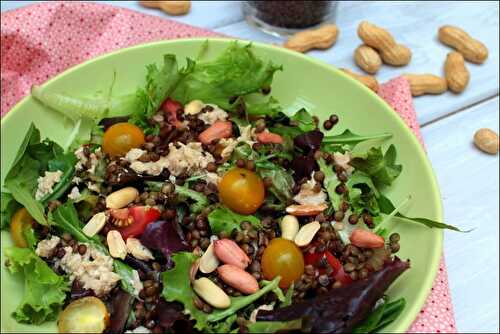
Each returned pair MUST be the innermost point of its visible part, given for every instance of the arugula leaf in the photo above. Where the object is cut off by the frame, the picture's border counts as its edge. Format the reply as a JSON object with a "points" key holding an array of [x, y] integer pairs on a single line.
{"points": [[288, 296], [330, 183], [388, 208], [177, 287], [274, 326], [235, 72], [8, 206], [351, 139], [66, 218], [362, 193], [382, 316], [380, 167], [44, 290], [200, 200], [223, 219], [222, 326], [282, 180]]}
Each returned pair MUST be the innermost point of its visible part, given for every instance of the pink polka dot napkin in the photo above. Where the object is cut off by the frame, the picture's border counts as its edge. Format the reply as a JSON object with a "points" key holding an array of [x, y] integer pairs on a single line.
{"points": [[42, 40]]}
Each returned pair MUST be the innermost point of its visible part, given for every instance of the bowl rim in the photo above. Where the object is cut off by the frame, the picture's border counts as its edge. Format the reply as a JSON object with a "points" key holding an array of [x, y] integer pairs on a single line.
{"points": [[412, 308]]}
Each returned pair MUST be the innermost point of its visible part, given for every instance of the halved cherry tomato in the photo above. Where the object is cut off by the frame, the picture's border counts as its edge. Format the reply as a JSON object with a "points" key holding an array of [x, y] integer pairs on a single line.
{"points": [[85, 315], [141, 216], [241, 190], [338, 271], [20, 221], [170, 108], [121, 137]]}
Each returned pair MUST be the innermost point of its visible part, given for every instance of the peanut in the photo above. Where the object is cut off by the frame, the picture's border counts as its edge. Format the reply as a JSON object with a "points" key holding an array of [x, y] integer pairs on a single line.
{"points": [[209, 262], [322, 38], [486, 140], [367, 59], [421, 84], [366, 239], [367, 80], [289, 227], [116, 245], [193, 107], [169, 7], [229, 252], [381, 40], [306, 209], [238, 279], [211, 293], [472, 49], [456, 74], [121, 198], [307, 233], [95, 224], [138, 250]]}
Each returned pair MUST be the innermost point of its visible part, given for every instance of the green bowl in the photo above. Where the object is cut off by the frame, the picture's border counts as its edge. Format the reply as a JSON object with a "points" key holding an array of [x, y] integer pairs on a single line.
{"points": [[305, 82]]}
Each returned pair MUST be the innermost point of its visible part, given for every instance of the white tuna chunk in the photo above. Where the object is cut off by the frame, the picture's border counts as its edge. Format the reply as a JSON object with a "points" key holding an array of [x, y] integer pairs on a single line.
{"points": [[46, 183]]}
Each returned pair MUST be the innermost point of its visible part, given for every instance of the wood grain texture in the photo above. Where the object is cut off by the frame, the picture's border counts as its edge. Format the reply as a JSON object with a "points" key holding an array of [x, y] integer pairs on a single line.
{"points": [[469, 182], [414, 24]]}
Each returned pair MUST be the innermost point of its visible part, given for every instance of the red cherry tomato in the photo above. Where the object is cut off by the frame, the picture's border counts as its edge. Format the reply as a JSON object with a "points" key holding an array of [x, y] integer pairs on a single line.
{"points": [[338, 271], [141, 216], [170, 108]]}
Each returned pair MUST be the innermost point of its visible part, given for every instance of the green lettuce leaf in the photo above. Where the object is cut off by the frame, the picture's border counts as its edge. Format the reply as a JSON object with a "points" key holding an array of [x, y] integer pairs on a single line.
{"points": [[8, 206], [362, 193], [223, 219], [160, 83], [282, 180], [44, 290], [200, 201], [235, 72], [177, 287], [382, 168]]}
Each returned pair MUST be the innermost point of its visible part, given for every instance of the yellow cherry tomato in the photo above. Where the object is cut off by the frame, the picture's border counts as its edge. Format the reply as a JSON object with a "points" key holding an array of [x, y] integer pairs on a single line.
{"points": [[20, 221], [241, 190], [121, 137], [85, 315], [282, 258]]}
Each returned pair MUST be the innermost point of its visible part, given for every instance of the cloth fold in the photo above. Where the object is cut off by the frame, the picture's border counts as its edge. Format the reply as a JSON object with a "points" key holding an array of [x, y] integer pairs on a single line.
{"points": [[43, 40]]}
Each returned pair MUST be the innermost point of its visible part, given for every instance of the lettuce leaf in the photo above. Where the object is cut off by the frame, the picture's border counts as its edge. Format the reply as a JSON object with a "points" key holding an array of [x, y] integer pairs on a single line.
{"points": [[235, 72], [223, 219], [33, 159], [274, 326], [8, 206], [44, 290], [177, 287], [382, 316]]}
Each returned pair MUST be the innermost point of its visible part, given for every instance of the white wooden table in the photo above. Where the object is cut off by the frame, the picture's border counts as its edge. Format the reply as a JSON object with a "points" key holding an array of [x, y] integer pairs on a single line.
{"points": [[469, 179]]}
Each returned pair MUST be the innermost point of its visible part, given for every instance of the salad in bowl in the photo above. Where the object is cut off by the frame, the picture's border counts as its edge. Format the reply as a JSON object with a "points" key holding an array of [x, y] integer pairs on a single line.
{"points": [[196, 204]]}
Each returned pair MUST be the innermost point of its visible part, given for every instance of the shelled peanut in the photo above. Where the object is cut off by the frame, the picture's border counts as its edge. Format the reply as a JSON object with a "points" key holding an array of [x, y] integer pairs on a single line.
{"points": [[381, 40], [472, 49], [169, 7], [456, 74], [486, 140], [367, 80], [367, 59], [421, 84], [322, 38]]}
